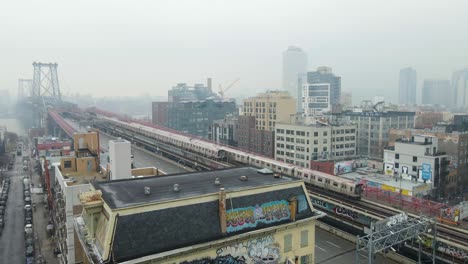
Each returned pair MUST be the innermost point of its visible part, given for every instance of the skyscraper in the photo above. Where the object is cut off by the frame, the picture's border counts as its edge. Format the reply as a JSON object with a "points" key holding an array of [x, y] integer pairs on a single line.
{"points": [[294, 64], [437, 91], [407, 86], [460, 87], [322, 92]]}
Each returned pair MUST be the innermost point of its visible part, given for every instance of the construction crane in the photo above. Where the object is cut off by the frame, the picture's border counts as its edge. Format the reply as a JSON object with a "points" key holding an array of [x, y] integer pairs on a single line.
{"points": [[222, 90]]}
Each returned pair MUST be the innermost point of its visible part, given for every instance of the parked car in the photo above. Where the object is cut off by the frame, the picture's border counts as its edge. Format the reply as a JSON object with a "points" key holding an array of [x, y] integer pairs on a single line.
{"points": [[26, 193], [27, 207], [29, 242], [27, 200], [2, 222], [28, 229], [29, 251]]}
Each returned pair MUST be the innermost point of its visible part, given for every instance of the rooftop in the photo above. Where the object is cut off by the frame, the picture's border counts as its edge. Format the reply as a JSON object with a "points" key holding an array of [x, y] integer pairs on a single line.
{"points": [[75, 178], [131, 192]]}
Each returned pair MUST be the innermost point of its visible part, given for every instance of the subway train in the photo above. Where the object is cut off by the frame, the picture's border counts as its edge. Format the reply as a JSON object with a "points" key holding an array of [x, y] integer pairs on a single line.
{"points": [[206, 148]]}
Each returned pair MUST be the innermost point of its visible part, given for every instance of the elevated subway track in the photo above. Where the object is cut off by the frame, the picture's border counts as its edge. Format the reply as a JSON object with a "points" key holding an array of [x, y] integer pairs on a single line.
{"points": [[185, 157]]}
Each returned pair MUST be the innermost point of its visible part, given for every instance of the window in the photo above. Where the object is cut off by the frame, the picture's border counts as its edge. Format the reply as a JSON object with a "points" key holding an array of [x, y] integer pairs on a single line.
{"points": [[397, 156], [397, 165], [67, 164], [304, 238], [414, 168], [307, 259], [415, 159], [287, 243], [315, 134], [325, 133]]}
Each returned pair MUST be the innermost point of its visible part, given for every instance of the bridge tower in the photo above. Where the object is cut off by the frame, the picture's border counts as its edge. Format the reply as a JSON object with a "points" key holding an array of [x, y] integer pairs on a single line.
{"points": [[45, 85], [24, 89]]}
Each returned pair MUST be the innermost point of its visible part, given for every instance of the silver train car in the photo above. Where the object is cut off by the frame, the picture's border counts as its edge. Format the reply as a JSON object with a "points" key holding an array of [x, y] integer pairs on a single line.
{"points": [[319, 179], [170, 137]]}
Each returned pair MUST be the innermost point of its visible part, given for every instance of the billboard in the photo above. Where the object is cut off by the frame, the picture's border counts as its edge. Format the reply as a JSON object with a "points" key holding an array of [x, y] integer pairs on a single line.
{"points": [[426, 173]]}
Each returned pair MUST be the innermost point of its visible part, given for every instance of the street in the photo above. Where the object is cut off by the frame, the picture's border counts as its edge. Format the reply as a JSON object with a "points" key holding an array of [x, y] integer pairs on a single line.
{"points": [[12, 248]]}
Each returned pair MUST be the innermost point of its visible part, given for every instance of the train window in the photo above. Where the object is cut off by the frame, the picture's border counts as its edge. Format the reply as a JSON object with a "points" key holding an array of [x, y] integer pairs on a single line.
{"points": [[320, 179], [237, 155], [327, 181], [299, 173], [257, 161], [343, 186], [335, 184], [285, 170], [273, 166], [263, 162], [351, 189], [313, 177], [306, 175]]}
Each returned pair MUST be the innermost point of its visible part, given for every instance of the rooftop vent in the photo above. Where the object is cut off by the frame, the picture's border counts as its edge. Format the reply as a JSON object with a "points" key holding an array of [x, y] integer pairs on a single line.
{"points": [[217, 182], [243, 178], [176, 187], [147, 190]]}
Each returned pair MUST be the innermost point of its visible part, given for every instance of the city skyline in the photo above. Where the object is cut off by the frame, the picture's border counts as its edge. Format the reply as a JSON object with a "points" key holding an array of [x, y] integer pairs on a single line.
{"points": [[125, 55]]}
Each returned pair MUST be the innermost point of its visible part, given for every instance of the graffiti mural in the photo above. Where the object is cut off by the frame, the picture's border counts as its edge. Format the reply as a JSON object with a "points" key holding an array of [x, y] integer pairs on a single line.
{"points": [[302, 203], [247, 217], [341, 211], [262, 250], [446, 248]]}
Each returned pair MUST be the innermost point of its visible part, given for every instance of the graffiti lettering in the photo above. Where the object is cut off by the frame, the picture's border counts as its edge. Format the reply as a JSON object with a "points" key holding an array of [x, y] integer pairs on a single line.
{"points": [[246, 217], [319, 203], [346, 212]]}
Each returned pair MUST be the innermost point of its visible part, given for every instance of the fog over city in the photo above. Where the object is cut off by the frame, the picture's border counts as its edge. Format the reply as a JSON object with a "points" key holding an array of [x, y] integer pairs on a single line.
{"points": [[126, 48]]}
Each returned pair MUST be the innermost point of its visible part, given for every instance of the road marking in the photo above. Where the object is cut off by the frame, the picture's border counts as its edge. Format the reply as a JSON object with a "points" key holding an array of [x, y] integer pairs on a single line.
{"points": [[332, 244], [320, 248]]}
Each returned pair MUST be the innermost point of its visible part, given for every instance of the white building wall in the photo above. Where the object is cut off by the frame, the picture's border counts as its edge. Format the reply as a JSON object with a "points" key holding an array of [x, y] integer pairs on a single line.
{"points": [[120, 159], [70, 195]]}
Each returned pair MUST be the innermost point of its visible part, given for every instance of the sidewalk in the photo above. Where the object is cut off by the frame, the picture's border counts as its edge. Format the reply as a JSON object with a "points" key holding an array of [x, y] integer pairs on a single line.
{"points": [[44, 243]]}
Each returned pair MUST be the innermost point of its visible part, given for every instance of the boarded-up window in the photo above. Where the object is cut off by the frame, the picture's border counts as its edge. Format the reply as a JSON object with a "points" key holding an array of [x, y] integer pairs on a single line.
{"points": [[304, 238], [287, 243]]}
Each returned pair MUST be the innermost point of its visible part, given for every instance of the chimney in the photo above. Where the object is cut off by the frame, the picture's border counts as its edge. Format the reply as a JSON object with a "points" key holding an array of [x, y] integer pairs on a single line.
{"points": [[222, 210], [293, 207]]}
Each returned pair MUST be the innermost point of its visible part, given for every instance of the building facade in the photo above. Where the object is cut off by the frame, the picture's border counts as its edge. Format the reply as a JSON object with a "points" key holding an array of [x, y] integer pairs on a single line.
{"points": [[159, 113], [460, 87], [250, 221], [197, 117], [270, 108], [198, 92], [224, 131], [294, 64], [322, 76], [437, 92], [300, 144], [417, 158], [316, 99], [455, 145], [346, 100], [254, 140], [373, 127], [407, 86]]}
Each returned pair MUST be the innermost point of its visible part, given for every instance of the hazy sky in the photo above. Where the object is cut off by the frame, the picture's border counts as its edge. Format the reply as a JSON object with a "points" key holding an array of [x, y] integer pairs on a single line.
{"points": [[110, 47]]}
